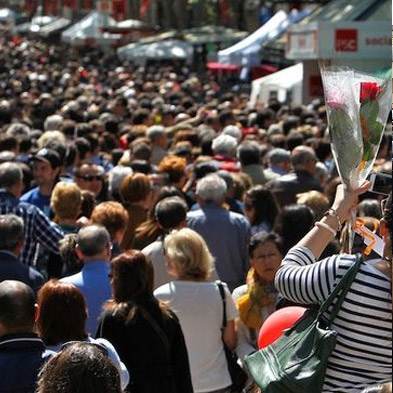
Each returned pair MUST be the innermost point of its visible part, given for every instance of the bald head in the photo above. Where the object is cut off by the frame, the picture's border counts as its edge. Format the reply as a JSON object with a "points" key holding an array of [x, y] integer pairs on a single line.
{"points": [[17, 309], [303, 157]]}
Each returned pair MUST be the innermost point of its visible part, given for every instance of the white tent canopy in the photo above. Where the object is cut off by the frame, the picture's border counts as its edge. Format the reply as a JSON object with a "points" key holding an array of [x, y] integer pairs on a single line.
{"points": [[89, 29], [284, 85], [163, 50], [246, 53], [7, 15]]}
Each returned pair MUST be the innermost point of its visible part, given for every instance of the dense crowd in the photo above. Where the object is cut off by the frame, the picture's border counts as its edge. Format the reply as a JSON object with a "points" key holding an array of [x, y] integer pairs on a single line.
{"points": [[156, 221]]}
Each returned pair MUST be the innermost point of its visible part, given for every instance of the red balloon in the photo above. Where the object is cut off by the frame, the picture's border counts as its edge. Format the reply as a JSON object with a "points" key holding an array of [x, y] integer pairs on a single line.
{"points": [[276, 323]]}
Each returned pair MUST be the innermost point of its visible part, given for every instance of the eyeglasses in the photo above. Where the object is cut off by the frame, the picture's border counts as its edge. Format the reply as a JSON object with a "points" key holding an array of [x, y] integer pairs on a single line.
{"points": [[90, 177]]}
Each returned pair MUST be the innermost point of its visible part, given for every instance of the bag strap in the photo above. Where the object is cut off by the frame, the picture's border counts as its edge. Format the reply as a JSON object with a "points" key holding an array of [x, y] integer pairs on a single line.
{"points": [[224, 303], [341, 290], [160, 332]]}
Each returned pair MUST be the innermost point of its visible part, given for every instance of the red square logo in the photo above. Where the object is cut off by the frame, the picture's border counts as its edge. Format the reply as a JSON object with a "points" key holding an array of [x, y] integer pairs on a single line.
{"points": [[346, 40]]}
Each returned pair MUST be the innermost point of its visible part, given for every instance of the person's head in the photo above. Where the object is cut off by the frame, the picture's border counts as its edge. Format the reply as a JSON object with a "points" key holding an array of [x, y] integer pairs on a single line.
{"points": [[280, 158], [294, 222], [369, 208], [234, 131], [175, 168], [171, 213], [62, 313], [249, 153], [11, 233], [136, 188], [224, 145], [266, 253], [90, 177], [115, 178], [187, 255], [46, 167], [132, 277], [53, 123], [93, 242], [113, 216], [260, 205], [157, 136], [11, 178], [17, 308], [80, 367], [211, 189], [304, 158], [66, 201], [316, 201]]}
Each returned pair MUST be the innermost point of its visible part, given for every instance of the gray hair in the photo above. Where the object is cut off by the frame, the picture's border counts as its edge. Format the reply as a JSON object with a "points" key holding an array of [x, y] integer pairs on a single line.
{"points": [[211, 188], [92, 240], [225, 145], [278, 155], [53, 123], [11, 232], [10, 174], [155, 132], [116, 176], [301, 155], [18, 130], [234, 131]]}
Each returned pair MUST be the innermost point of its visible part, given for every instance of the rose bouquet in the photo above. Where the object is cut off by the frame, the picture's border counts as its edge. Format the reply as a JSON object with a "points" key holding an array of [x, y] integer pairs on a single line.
{"points": [[357, 105]]}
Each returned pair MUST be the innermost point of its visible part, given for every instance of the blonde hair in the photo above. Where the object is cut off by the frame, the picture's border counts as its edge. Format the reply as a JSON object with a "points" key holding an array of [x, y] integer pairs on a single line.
{"points": [[189, 253], [316, 201], [66, 201]]}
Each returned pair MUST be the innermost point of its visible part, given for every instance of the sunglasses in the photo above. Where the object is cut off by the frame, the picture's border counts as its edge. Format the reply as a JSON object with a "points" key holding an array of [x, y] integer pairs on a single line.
{"points": [[90, 177]]}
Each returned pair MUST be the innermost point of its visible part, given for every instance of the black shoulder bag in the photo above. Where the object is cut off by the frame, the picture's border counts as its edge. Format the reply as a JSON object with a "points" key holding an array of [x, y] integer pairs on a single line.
{"points": [[238, 375]]}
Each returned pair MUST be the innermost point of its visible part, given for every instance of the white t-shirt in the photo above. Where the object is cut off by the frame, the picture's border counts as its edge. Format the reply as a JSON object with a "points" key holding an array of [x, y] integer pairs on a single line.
{"points": [[155, 253], [198, 305]]}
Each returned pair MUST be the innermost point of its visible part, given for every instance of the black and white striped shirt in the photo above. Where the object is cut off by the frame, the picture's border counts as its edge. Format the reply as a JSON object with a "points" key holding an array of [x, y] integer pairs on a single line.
{"points": [[363, 354]]}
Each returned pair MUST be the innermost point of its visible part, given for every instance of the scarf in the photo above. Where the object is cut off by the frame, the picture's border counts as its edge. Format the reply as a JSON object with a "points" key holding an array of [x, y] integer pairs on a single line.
{"points": [[259, 295]]}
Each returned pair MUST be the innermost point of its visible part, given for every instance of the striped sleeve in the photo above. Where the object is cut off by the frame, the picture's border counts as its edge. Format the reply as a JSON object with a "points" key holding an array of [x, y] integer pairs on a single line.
{"points": [[303, 280]]}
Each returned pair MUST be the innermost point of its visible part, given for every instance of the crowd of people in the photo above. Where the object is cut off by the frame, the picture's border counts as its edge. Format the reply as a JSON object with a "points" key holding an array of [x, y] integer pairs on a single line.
{"points": [[138, 204]]}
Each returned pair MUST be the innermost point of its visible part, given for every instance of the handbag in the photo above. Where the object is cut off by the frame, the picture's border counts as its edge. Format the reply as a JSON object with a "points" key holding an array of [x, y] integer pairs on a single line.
{"points": [[297, 361], [238, 375]]}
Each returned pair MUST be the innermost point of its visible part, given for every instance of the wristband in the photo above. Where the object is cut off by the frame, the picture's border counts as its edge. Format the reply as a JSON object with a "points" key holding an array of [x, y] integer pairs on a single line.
{"points": [[327, 227], [332, 212]]}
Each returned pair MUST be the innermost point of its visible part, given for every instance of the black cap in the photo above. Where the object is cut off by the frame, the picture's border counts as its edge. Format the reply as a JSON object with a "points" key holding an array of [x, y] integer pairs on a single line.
{"points": [[48, 155]]}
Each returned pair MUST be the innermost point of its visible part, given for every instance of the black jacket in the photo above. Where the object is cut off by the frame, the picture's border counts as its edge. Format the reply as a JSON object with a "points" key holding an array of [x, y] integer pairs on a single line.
{"points": [[21, 358], [286, 187], [142, 350], [12, 269]]}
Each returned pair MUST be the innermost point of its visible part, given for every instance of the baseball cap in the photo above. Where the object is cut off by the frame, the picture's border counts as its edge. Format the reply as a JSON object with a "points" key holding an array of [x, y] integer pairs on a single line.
{"points": [[48, 155]]}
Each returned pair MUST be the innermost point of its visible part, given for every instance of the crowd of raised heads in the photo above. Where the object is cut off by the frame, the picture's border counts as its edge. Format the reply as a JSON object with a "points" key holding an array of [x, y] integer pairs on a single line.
{"points": [[151, 221]]}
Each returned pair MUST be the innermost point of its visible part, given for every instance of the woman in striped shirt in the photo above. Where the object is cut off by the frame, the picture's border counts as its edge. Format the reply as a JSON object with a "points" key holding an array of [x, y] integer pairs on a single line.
{"points": [[363, 353]]}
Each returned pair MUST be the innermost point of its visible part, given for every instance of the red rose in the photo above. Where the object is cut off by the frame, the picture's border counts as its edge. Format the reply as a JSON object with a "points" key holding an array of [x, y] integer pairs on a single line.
{"points": [[369, 91]]}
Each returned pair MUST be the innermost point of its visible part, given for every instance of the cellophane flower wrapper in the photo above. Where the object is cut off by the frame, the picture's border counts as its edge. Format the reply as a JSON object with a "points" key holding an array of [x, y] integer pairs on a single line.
{"points": [[358, 106]]}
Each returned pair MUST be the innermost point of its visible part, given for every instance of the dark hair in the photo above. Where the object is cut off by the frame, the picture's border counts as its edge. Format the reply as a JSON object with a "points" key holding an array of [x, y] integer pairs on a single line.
{"points": [[83, 147], [249, 153], [262, 238], [264, 203], [79, 368], [8, 142], [170, 212], [16, 305], [293, 223], [62, 313], [132, 283], [369, 208]]}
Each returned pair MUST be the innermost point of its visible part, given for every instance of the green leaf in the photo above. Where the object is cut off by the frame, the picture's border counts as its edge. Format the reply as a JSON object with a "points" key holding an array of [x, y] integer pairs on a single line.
{"points": [[370, 111], [367, 152], [376, 130]]}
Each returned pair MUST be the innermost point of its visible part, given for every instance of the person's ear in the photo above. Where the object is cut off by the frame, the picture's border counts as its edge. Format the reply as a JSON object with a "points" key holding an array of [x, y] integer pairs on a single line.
{"points": [[79, 253]]}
